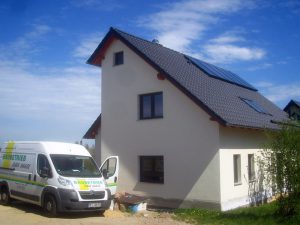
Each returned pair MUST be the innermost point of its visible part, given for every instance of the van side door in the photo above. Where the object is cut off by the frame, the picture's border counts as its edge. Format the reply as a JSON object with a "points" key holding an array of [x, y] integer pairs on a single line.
{"points": [[110, 172], [20, 178], [42, 174]]}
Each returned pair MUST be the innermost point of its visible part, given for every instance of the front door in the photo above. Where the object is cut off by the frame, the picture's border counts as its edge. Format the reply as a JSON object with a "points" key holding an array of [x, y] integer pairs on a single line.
{"points": [[110, 172]]}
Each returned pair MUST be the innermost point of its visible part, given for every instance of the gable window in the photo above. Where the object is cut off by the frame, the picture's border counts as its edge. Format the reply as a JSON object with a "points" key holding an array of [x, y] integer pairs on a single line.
{"points": [[152, 169], [237, 169], [251, 169], [151, 105], [118, 58], [254, 105]]}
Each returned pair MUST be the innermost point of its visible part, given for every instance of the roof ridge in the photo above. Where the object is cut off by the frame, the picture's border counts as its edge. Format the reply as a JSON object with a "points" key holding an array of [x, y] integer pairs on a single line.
{"points": [[181, 53], [143, 39], [221, 101]]}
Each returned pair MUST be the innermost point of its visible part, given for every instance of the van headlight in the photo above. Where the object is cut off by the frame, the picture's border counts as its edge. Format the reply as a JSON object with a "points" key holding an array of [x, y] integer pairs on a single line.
{"points": [[64, 182]]}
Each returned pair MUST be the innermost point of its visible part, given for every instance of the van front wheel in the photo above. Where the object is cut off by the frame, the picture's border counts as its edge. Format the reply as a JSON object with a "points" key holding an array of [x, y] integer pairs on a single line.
{"points": [[50, 206], [4, 196]]}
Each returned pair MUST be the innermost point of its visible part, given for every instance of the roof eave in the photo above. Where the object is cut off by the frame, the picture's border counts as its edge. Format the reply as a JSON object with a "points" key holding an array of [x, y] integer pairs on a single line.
{"points": [[262, 128], [93, 130], [96, 58]]}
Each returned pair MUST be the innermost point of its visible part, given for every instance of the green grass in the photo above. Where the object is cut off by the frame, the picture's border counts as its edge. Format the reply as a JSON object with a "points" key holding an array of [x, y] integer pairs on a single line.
{"points": [[262, 215]]}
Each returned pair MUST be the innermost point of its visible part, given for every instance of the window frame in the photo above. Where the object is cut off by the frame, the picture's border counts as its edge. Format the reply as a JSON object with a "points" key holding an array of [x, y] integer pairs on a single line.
{"points": [[106, 166], [251, 168], [117, 60], [255, 106], [160, 175], [47, 163], [152, 106], [237, 170]]}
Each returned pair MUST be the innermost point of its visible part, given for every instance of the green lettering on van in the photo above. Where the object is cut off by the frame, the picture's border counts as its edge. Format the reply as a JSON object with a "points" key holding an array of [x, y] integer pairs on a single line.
{"points": [[14, 157]]}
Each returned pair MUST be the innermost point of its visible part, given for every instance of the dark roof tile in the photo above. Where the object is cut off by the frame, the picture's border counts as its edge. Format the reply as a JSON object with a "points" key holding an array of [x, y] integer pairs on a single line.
{"points": [[221, 99]]}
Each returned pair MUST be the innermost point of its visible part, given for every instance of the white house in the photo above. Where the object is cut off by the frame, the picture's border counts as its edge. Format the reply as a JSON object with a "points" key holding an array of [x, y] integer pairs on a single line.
{"points": [[293, 109], [186, 131]]}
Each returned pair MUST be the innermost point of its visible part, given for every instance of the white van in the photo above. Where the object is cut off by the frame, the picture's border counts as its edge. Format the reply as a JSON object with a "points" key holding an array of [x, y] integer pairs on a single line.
{"points": [[59, 177]]}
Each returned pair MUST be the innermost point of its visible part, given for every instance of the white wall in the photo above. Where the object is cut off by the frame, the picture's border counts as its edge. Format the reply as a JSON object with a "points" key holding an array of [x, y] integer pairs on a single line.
{"points": [[294, 109], [243, 142], [186, 136]]}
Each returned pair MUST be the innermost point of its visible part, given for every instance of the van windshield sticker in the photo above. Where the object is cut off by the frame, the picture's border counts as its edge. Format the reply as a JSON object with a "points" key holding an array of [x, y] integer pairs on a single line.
{"points": [[87, 184]]}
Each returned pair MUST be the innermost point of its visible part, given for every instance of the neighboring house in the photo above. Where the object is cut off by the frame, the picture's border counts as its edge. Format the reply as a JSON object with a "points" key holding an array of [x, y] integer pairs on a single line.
{"points": [[293, 109], [186, 132]]}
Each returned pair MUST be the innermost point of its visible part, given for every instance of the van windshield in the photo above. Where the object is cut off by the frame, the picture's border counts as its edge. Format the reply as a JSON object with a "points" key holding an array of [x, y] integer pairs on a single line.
{"points": [[75, 166]]}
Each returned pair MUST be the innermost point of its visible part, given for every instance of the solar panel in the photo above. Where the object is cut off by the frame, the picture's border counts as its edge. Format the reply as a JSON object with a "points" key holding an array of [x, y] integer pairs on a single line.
{"points": [[220, 73], [257, 107]]}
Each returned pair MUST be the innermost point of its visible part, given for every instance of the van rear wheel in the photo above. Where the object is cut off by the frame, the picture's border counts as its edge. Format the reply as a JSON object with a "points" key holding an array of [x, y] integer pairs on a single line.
{"points": [[50, 206], [4, 196]]}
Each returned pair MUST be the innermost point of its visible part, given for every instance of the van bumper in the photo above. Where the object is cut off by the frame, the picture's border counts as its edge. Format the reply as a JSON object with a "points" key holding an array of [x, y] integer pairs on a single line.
{"points": [[69, 202]]}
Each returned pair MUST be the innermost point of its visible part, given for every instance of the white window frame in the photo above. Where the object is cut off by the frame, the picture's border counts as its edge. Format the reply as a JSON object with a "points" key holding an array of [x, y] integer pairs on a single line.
{"points": [[237, 169]]}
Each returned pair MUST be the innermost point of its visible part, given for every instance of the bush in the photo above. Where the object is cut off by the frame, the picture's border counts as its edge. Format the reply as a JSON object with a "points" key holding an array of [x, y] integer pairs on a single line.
{"points": [[280, 163]]}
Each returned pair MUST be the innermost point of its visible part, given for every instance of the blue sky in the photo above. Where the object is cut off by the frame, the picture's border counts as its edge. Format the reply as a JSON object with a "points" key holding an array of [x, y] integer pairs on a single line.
{"points": [[48, 92]]}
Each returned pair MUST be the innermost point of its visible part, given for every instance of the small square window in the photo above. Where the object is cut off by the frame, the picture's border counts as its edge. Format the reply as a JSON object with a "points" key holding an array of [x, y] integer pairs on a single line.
{"points": [[237, 169], [151, 106], [118, 58], [152, 169]]}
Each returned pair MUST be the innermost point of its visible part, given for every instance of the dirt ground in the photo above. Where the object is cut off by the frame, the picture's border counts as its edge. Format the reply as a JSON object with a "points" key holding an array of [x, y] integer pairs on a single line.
{"points": [[22, 213]]}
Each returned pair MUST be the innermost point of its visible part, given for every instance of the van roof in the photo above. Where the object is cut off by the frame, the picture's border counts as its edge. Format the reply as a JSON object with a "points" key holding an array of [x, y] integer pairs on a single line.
{"points": [[49, 147]]}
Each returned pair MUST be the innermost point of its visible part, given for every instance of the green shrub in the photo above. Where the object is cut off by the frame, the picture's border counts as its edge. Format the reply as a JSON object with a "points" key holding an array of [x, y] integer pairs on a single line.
{"points": [[280, 163]]}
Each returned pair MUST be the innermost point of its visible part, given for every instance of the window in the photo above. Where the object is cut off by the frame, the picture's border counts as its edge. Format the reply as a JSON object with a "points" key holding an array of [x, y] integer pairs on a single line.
{"points": [[75, 166], [151, 106], [237, 169], [43, 164], [254, 105], [118, 58], [152, 169], [251, 169], [109, 166]]}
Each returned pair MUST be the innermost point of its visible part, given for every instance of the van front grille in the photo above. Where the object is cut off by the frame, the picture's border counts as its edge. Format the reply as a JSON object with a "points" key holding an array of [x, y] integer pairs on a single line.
{"points": [[92, 194]]}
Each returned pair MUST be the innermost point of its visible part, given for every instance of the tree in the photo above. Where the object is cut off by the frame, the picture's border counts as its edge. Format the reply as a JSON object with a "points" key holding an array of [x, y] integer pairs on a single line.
{"points": [[280, 163]]}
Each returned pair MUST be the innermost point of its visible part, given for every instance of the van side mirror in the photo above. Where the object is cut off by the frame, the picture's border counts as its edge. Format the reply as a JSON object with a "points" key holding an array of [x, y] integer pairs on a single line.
{"points": [[105, 173], [45, 172]]}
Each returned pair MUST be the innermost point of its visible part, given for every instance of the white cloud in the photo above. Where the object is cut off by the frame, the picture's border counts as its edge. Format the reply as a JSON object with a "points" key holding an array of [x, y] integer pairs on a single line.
{"points": [[38, 31], [26, 44], [280, 93], [183, 22], [260, 67], [225, 53], [87, 45], [100, 5], [228, 38], [40, 102], [63, 94], [230, 47], [264, 84]]}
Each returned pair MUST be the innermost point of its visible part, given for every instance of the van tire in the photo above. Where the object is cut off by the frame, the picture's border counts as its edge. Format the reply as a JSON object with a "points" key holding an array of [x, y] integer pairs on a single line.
{"points": [[4, 196], [50, 206]]}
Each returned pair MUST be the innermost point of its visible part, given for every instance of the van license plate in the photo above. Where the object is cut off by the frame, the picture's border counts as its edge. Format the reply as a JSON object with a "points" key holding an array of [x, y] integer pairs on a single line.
{"points": [[94, 205]]}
